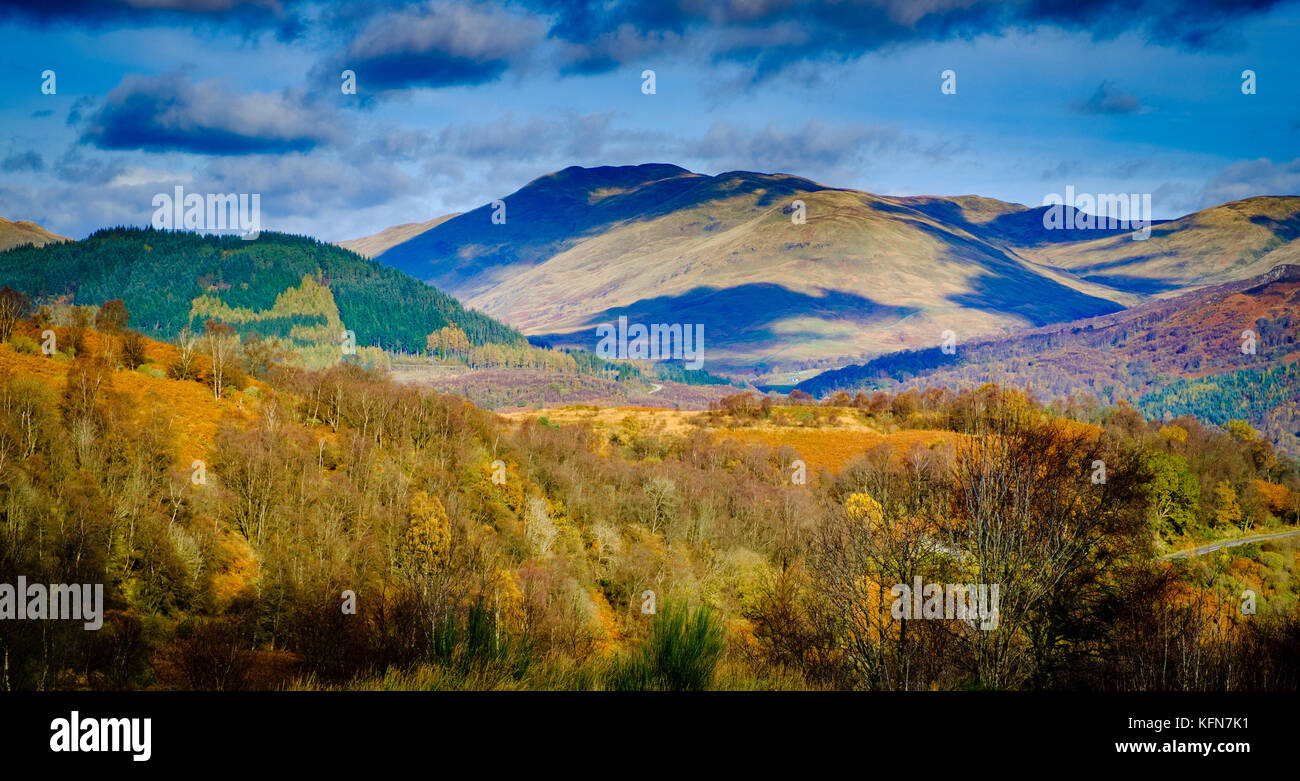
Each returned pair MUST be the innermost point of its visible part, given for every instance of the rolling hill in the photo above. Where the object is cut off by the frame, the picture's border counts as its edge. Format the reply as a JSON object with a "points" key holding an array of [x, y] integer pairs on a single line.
{"points": [[863, 275], [292, 288], [1223, 243], [25, 232]]}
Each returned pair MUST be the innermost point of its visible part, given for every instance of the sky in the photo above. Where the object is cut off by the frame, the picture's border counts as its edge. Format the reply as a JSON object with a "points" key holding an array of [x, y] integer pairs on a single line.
{"points": [[456, 104]]}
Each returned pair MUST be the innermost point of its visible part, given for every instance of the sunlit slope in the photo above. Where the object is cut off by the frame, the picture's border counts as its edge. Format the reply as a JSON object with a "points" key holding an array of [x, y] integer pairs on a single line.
{"points": [[20, 232], [1233, 241], [858, 274]]}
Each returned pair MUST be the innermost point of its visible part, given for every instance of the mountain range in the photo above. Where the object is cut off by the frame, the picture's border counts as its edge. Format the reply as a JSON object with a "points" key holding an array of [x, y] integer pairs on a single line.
{"points": [[797, 284], [789, 274]]}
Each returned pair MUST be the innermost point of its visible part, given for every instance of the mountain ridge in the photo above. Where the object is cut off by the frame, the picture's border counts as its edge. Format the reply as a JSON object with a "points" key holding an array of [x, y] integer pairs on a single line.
{"points": [[583, 245]]}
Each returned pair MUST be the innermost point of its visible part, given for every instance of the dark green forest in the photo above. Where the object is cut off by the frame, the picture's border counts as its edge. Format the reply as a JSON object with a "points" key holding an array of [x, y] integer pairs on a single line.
{"points": [[159, 274]]}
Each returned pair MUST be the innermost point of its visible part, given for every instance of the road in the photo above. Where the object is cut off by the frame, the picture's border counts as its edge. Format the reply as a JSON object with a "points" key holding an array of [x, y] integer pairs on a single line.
{"points": [[1213, 546]]}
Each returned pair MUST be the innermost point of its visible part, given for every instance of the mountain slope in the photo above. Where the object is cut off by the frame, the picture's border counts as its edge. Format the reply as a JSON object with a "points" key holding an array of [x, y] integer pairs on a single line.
{"points": [[378, 243], [169, 281], [1223, 243], [17, 234], [1177, 356], [864, 274]]}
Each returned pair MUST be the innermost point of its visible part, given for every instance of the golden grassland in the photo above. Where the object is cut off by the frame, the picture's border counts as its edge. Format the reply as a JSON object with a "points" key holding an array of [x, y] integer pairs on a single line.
{"points": [[840, 435]]}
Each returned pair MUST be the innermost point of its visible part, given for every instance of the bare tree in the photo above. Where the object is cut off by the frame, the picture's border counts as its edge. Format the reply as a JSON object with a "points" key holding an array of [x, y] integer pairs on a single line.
{"points": [[222, 345], [14, 306]]}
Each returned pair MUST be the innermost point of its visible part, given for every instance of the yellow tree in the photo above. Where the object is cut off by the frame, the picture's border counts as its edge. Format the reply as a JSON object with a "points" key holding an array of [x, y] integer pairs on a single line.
{"points": [[425, 552], [864, 509], [1228, 510]]}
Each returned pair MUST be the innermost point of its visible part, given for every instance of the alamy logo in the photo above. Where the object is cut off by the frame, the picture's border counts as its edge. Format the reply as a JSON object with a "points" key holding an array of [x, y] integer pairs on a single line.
{"points": [[214, 212], [1105, 210], [951, 601], [97, 734], [56, 602], [660, 341]]}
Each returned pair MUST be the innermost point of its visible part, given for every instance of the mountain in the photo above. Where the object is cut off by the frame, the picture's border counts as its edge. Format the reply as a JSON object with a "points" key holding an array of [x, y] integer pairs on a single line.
{"points": [[863, 274], [378, 243], [1232, 241], [1170, 357], [17, 234], [295, 288]]}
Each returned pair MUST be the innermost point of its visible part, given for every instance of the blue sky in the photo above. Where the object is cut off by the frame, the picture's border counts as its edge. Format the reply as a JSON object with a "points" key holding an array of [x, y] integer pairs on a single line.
{"points": [[459, 103]]}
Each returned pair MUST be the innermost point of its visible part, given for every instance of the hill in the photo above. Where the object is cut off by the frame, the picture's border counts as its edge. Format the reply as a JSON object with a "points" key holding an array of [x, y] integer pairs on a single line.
{"points": [[25, 232], [863, 274], [516, 553], [1233, 241], [1172, 357], [378, 243], [293, 288]]}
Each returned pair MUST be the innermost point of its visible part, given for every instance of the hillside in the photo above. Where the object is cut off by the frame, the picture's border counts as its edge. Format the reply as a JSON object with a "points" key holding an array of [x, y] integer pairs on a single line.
{"points": [[1152, 355], [516, 553], [1233, 241], [864, 274], [378, 243], [22, 232], [292, 288]]}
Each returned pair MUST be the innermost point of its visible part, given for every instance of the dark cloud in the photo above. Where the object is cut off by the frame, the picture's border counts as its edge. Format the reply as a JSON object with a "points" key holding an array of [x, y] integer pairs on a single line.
{"points": [[396, 43], [74, 167], [171, 113], [769, 35], [281, 16], [30, 160], [1109, 101], [438, 45]]}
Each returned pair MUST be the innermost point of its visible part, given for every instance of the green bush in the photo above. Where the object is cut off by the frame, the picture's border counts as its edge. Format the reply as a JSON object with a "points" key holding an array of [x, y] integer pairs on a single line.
{"points": [[25, 345], [681, 653]]}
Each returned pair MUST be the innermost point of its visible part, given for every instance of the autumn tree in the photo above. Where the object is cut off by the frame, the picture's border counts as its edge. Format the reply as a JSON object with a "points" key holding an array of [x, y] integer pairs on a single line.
{"points": [[14, 306], [448, 340], [1227, 511], [133, 349], [425, 551], [112, 317], [1173, 492]]}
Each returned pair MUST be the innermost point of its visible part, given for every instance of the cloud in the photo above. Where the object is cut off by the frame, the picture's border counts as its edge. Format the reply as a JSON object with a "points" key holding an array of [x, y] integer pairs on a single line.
{"points": [[1109, 101], [771, 35], [570, 136], [1061, 170], [169, 113], [812, 147], [439, 45], [400, 43], [30, 160], [1248, 178], [78, 109], [75, 167], [247, 15]]}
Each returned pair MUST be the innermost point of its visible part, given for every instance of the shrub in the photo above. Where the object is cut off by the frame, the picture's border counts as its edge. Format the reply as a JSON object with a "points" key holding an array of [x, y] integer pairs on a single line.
{"points": [[133, 349], [681, 653], [25, 345]]}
